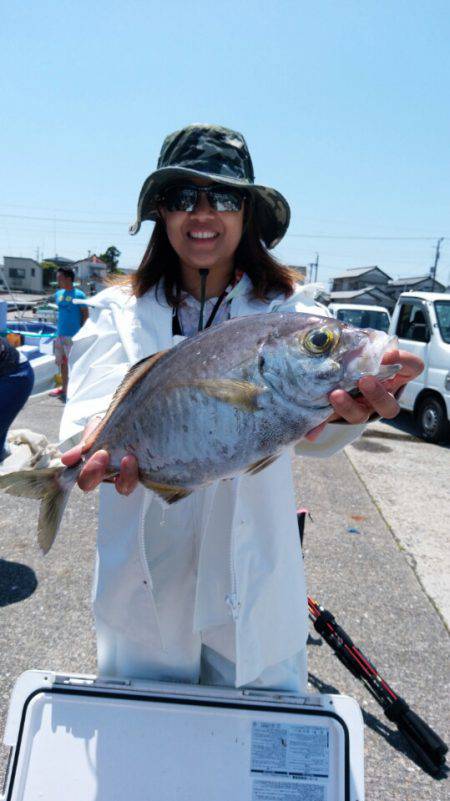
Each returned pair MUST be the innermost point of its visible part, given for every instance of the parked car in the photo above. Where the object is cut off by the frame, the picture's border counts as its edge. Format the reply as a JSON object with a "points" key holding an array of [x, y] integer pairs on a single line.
{"points": [[362, 316], [421, 321]]}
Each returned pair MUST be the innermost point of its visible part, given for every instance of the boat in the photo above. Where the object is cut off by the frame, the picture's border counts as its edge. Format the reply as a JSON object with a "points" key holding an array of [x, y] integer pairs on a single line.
{"points": [[34, 340]]}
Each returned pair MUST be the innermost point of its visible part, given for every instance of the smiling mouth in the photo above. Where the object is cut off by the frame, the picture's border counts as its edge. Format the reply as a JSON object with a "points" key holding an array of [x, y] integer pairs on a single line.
{"points": [[202, 235]]}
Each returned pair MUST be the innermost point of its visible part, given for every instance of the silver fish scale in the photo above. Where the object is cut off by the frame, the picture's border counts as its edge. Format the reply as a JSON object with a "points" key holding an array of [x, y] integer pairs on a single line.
{"points": [[183, 436], [217, 405]]}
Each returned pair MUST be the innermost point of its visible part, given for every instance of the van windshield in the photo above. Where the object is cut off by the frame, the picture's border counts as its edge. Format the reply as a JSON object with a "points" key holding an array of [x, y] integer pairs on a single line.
{"points": [[363, 318], [442, 309]]}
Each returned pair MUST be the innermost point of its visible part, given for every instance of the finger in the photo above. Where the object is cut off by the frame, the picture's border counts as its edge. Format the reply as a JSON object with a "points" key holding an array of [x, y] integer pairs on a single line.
{"points": [[128, 477], [411, 365], [72, 456], [94, 471], [378, 397], [348, 408], [391, 356]]}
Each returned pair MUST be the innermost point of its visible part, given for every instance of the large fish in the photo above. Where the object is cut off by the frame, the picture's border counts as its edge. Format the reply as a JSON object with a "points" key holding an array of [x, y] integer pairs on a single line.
{"points": [[222, 403]]}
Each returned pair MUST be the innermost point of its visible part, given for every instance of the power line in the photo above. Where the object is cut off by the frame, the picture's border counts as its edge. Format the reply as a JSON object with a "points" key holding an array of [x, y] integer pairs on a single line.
{"points": [[297, 236], [357, 236], [65, 220], [54, 209]]}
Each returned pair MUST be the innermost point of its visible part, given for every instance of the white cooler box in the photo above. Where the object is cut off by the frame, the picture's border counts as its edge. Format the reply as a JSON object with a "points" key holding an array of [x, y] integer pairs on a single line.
{"points": [[77, 738]]}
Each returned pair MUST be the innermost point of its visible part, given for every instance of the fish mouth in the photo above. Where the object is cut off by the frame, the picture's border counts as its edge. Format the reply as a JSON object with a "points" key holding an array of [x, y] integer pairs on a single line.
{"points": [[366, 358]]}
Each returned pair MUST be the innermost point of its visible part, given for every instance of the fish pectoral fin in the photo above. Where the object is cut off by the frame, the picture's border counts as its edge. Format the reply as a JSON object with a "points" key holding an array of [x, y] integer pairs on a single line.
{"points": [[256, 467], [243, 394], [167, 492]]}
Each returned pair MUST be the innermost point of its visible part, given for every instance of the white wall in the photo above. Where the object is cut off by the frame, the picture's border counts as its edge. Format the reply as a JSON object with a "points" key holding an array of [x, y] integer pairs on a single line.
{"points": [[24, 274]]}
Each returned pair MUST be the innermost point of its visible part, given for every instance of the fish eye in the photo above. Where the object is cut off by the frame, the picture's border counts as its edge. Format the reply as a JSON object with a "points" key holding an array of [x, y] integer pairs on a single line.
{"points": [[319, 341]]}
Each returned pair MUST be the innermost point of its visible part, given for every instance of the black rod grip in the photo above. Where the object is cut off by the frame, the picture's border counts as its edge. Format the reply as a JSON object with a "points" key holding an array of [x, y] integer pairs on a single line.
{"points": [[423, 739]]}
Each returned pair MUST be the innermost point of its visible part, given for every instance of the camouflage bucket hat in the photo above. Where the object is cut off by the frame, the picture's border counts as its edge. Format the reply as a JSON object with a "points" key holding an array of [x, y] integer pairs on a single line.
{"points": [[220, 155]]}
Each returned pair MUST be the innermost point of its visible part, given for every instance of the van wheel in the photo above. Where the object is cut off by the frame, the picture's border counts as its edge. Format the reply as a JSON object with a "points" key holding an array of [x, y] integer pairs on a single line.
{"points": [[432, 420]]}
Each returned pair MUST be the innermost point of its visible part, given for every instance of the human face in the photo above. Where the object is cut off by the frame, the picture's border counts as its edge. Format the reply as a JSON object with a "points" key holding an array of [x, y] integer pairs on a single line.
{"points": [[64, 281], [204, 237]]}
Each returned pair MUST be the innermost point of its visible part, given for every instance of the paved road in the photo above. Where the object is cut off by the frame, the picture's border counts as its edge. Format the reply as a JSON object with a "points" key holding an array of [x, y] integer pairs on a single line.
{"points": [[364, 577], [408, 479]]}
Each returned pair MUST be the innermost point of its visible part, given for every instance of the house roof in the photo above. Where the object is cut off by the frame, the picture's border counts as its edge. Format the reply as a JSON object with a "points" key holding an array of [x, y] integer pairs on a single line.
{"points": [[354, 272], [418, 279], [20, 258], [350, 294], [92, 260], [60, 260]]}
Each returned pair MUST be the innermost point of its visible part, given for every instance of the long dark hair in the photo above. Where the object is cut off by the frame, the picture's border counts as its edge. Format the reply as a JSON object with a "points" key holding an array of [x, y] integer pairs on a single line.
{"points": [[160, 261]]}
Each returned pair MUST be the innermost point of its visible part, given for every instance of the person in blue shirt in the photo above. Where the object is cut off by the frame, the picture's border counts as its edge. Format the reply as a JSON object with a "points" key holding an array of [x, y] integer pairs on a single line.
{"points": [[71, 316]]}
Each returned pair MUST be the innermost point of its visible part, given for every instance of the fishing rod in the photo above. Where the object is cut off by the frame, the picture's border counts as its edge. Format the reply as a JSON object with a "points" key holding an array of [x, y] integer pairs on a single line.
{"points": [[426, 744]]}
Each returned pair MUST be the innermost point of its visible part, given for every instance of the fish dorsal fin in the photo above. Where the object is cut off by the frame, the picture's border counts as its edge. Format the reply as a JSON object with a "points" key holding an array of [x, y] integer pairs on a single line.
{"points": [[238, 393], [167, 492], [261, 464], [133, 376]]}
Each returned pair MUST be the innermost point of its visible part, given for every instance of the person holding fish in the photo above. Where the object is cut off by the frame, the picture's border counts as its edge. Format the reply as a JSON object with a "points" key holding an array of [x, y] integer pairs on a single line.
{"points": [[199, 575]]}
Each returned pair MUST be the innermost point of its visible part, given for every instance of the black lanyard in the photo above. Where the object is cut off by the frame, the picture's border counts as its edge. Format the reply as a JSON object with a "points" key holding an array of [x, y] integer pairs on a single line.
{"points": [[176, 325]]}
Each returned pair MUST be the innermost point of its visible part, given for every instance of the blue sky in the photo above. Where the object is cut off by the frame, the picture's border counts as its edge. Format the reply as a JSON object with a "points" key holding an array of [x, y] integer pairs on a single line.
{"points": [[345, 107]]}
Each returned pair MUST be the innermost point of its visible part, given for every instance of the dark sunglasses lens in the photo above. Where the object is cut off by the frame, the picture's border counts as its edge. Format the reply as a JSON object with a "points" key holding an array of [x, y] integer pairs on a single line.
{"points": [[185, 198], [225, 199], [180, 199]]}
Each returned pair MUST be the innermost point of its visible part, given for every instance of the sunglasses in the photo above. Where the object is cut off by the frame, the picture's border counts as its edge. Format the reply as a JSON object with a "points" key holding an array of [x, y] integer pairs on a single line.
{"points": [[186, 198]]}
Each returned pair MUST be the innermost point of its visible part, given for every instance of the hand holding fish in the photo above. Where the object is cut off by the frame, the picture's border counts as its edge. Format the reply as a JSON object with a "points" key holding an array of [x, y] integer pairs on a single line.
{"points": [[96, 468], [223, 403], [376, 396]]}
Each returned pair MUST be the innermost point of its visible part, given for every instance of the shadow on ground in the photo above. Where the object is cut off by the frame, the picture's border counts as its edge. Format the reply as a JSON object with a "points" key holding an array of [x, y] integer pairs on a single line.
{"points": [[404, 422], [391, 735], [17, 582]]}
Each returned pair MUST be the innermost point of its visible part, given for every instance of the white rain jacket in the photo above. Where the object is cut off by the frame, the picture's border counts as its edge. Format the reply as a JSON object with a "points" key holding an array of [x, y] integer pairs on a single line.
{"points": [[248, 567]]}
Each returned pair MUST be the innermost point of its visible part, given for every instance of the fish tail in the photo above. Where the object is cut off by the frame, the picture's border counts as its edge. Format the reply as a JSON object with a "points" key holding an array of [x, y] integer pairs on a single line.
{"points": [[50, 485]]}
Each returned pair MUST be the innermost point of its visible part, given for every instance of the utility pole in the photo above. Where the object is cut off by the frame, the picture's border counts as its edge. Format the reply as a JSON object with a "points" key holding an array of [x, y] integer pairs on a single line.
{"points": [[436, 259], [313, 269]]}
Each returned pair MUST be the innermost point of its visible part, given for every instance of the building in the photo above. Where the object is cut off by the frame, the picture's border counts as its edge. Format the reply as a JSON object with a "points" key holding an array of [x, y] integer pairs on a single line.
{"points": [[367, 285], [60, 261], [372, 295], [423, 283], [90, 274], [371, 285], [21, 274], [360, 278]]}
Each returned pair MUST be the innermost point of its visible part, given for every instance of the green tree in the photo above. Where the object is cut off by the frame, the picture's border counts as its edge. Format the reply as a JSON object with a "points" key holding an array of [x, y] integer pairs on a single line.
{"points": [[111, 258], [49, 269]]}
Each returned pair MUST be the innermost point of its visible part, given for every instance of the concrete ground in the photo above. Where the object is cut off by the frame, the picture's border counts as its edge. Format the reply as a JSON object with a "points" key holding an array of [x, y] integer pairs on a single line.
{"points": [[365, 562], [408, 480]]}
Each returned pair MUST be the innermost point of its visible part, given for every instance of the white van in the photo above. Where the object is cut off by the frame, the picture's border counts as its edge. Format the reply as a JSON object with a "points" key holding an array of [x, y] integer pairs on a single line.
{"points": [[361, 316], [421, 321]]}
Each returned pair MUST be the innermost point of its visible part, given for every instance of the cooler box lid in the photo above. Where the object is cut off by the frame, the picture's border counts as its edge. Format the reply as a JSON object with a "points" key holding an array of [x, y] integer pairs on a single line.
{"points": [[78, 737]]}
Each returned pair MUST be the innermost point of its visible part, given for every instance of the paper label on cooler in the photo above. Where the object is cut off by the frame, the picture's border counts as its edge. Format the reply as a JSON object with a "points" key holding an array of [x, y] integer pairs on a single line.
{"points": [[288, 791], [290, 750]]}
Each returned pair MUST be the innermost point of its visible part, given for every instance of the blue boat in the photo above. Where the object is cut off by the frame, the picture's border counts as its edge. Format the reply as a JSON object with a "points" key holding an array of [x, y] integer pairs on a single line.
{"points": [[37, 345]]}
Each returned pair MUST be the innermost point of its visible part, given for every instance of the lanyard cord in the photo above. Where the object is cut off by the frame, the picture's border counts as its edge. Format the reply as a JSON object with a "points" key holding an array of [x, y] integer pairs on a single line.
{"points": [[176, 324], [203, 276], [216, 308]]}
